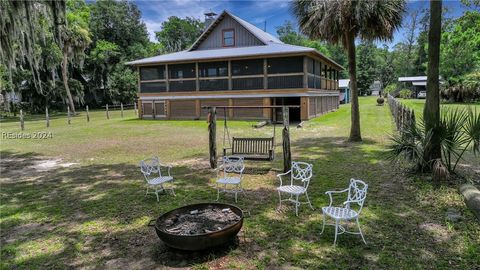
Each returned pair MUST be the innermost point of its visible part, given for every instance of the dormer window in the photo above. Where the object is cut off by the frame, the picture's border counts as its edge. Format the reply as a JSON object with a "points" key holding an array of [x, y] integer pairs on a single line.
{"points": [[228, 37]]}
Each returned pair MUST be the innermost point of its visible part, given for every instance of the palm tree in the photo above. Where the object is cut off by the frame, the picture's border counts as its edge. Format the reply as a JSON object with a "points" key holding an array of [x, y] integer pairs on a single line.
{"points": [[342, 21], [431, 111]]}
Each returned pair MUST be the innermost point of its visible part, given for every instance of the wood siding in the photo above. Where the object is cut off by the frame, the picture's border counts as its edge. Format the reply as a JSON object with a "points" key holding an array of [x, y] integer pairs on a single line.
{"points": [[213, 102], [243, 37], [182, 109], [322, 105], [248, 113]]}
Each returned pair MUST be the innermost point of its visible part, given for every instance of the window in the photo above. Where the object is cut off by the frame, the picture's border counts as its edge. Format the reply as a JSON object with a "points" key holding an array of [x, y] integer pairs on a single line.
{"points": [[181, 71], [285, 65], [152, 73], [247, 67], [228, 36], [213, 69]]}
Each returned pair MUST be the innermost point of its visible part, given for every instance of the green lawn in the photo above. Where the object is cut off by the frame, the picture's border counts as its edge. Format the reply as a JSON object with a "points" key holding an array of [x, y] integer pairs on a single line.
{"points": [[77, 200], [418, 104]]}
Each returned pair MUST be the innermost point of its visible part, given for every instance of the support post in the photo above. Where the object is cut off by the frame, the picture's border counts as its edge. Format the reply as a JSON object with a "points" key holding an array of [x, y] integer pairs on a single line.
{"points": [[135, 108], [88, 115], [106, 111], [47, 118], [69, 121], [121, 109], [212, 136], [287, 155], [22, 123]]}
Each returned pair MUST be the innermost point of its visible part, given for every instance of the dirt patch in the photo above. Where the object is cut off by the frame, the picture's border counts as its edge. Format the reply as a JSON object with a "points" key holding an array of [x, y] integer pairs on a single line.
{"points": [[439, 232]]}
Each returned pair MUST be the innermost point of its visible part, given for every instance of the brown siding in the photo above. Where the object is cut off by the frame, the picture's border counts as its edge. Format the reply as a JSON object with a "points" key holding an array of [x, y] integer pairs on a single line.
{"points": [[214, 102], [160, 109], [312, 106], [182, 109], [248, 113], [242, 36]]}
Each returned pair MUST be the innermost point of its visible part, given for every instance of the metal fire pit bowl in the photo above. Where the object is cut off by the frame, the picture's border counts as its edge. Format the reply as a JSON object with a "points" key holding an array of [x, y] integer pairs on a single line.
{"points": [[198, 241]]}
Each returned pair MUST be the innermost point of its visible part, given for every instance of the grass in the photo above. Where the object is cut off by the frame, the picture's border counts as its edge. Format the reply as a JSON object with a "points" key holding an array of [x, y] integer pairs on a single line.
{"points": [[77, 200], [418, 104]]}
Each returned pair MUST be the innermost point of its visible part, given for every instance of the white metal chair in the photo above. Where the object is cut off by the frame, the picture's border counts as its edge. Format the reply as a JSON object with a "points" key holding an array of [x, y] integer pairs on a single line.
{"points": [[300, 172], [230, 173], [357, 192], [151, 170]]}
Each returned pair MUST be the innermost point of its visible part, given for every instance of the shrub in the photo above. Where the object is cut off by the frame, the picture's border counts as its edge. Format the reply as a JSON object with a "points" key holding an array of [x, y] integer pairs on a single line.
{"points": [[458, 132], [389, 89], [405, 93], [464, 89]]}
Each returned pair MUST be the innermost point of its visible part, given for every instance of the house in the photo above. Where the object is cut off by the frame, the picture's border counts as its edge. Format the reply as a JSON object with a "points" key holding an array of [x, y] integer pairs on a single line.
{"points": [[376, 88], [235, 63], [344, 87]]}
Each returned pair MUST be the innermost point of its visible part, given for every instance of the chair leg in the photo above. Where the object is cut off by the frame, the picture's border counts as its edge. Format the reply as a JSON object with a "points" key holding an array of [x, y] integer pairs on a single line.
{"points": [[296, 205], [309, 203], [218, 193], [323, 226], [336, 232], [360, 230], [156, 193], [146, 193]]}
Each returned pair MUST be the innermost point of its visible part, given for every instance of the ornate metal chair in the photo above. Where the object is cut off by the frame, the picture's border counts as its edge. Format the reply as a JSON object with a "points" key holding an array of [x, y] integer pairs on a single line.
{"points": [[230, 173], [357, 192], [300, 172], [151, 170]]}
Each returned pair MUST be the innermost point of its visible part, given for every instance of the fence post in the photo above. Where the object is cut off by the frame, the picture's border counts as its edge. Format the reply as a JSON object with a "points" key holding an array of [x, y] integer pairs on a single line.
{"points": [[68, 115], [135, 108], [121, 109], [47, 118], [106, 108], [88, 115], [22, 124]]}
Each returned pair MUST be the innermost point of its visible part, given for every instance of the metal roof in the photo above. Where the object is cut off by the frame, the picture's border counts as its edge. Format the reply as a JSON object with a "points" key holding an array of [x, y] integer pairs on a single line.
{"points": [[308, 94], [343, 83], [412, 79], [270, 49], [273, 46], [265, 37]]}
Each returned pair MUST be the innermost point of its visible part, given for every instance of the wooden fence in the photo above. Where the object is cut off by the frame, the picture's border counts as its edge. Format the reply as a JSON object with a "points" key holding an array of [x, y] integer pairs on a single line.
{"points": [[108, 109], [402, 115]]}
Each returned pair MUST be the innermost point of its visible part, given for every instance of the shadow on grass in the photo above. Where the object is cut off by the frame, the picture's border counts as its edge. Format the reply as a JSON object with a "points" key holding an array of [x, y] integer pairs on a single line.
{"points": [[95, 216]]}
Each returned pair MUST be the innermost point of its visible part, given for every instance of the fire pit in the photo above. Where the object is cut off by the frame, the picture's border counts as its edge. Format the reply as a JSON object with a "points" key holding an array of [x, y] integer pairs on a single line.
{"points": [[199, 226]]}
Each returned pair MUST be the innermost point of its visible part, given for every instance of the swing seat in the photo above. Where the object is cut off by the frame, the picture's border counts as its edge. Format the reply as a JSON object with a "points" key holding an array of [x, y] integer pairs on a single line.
{"points": [[252, 148]]}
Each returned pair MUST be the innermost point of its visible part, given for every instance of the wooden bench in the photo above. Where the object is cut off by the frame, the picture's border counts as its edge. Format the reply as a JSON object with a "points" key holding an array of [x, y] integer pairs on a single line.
{"points": [[252, 148]]}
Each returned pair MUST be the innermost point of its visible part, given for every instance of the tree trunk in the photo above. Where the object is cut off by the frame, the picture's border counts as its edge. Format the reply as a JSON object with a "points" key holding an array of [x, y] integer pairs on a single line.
{"points": [[65, 82], [431, 111], [355, 135]]}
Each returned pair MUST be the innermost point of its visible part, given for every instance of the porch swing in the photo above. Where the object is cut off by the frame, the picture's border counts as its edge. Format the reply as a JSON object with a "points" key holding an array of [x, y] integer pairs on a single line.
{"points": [[249, 148], [260, 148]]}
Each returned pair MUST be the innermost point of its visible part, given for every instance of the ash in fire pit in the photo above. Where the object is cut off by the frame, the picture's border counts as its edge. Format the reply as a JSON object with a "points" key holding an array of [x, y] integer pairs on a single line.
{"points": [[202, 221]]}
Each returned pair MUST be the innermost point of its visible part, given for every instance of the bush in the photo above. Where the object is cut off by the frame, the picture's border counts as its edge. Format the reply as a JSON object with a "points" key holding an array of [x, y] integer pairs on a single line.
{"points": [[389, 89], [406, 93], [464, 89], [458, 131]]}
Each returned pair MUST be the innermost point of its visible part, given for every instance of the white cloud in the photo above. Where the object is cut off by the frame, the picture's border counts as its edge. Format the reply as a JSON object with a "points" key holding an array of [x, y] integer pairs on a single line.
{"points": [[155, 12]]}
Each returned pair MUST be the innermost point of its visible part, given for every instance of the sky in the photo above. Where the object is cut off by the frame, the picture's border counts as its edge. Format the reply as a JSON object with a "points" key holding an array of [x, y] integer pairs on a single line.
{"points": [[273, 13]]}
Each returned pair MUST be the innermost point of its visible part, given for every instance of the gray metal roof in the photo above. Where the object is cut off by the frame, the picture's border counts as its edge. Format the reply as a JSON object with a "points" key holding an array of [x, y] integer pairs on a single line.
{"points": [[265, 37], [273, 46], [309, 94], [343, 83]]}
